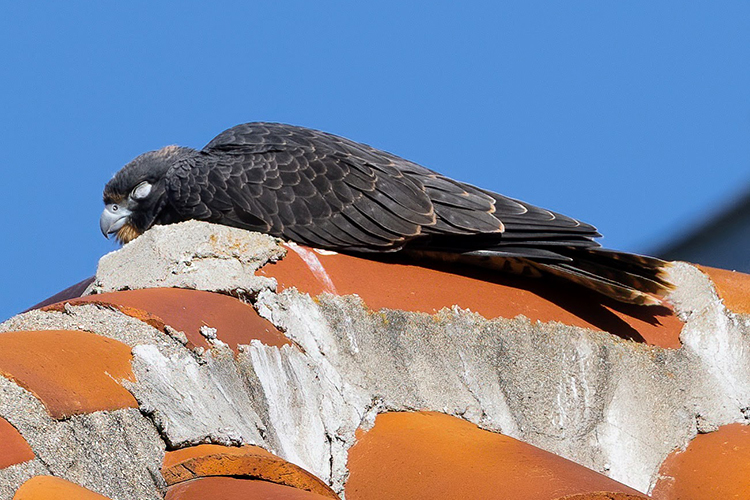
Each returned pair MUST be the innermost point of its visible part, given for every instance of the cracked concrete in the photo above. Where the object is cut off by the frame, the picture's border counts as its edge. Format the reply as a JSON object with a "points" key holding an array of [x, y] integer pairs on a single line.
{"points": [[615, 406], [193, 255], [584, 395], [194, 402]]}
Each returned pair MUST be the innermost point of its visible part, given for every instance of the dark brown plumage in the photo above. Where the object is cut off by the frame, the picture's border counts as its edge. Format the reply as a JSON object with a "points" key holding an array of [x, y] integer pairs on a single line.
{"points": [[329, 192]]}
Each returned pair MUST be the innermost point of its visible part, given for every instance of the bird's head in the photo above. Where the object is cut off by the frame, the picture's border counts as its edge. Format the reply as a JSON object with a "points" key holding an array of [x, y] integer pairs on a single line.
{"points": [[134, 197]]}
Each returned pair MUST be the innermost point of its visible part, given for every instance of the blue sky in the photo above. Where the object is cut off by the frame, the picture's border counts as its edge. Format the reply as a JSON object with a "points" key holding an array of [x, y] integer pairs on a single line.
{"points": [[633, 116]]}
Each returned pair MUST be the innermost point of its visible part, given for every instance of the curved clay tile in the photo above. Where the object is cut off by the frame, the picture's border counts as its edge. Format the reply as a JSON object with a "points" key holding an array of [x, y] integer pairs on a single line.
{"points": [[230, 488], [13, 447], [732, 287], [397, 285], [48, 488], [435, 456], [713, 466], [247, 461], [189, 310], [71, 372]]}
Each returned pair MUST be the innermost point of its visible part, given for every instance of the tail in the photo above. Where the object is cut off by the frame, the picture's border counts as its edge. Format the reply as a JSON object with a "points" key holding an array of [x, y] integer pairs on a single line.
{"points": [[629, 278], [625, 277]]}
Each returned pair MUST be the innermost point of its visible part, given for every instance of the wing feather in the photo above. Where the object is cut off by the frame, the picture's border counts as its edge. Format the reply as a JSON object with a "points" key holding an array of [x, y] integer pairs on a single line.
{"points": [[286, 178], [330, 192]]}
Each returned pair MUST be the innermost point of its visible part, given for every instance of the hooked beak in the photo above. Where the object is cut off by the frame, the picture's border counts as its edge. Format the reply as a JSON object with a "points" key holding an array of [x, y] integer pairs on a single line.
{"points": [[113, 218]]}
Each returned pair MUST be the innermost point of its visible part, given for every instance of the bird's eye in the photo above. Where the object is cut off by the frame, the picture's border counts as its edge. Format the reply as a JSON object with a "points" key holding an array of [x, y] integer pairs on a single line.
{"points": [[115, 208], [141, 191]]}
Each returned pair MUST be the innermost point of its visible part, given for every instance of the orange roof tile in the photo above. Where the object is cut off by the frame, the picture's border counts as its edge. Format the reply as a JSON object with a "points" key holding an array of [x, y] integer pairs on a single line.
{"points": [[397, 285], [433, 456], [732, 287], [48, 488], [231, 488], [14, 449], [71, 372], [250, 461], [189, 310], [405, 455], [713, 466]]}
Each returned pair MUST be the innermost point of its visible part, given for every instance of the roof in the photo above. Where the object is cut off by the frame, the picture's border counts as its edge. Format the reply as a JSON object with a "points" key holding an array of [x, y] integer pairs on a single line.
{"points": [[210, 362]]}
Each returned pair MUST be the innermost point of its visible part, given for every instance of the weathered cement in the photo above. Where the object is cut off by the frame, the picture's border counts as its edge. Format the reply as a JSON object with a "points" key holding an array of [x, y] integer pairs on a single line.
{"points": [[190, 254], [194, 402], [117, 454], [615, 406], [15, 475], [102, 320], [611, 405]]}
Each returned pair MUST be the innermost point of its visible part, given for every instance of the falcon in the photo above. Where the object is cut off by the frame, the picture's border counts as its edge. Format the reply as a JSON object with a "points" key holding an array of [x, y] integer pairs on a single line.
{"points": [[328, 192]]}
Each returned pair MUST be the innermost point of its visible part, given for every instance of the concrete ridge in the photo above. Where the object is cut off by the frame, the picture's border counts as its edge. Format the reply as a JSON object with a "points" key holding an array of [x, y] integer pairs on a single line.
{"points": [[615, 406]]}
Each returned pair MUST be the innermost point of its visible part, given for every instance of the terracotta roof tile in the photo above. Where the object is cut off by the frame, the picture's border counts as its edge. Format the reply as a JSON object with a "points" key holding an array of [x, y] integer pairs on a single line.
{"points": [[431, 455], [713, 466], [249, 461], [48, 488], [230, 488], [188, 310], [732, 287], [415, 288], [13, 447], [71, 372], [410, 455]]}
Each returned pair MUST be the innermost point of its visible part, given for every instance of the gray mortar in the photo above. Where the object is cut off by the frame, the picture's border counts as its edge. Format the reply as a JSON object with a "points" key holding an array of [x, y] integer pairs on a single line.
{"points": [[612, 405], [101, 320], [615, 406], [194, 402], [117, 453], [190, 254], [15, 475]]}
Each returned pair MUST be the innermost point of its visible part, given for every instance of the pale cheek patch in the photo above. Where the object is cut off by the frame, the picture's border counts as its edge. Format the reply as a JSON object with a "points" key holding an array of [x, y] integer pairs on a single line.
{"points": [[142, 190]]}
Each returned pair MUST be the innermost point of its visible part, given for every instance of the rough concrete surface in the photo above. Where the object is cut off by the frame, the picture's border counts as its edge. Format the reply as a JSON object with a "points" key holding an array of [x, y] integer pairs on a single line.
{"points": [[194, 402], [615, 406], [117, 454], [190, 254], [102, 320], [612, 405], [15, 475]]}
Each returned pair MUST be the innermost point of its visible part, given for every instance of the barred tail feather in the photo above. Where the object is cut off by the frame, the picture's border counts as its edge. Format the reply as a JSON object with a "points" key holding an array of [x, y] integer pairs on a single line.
{"points": [[634, 279], [629, 278]]}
